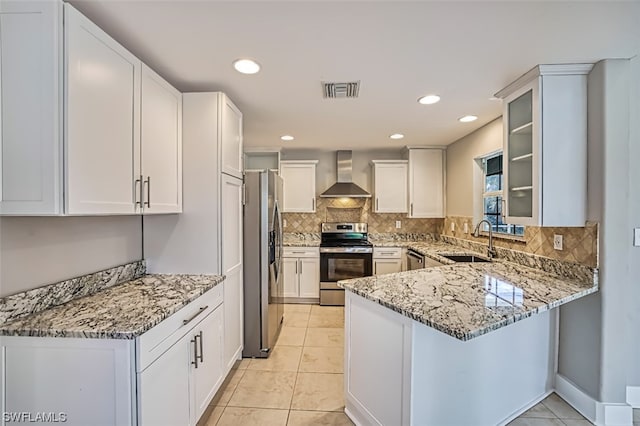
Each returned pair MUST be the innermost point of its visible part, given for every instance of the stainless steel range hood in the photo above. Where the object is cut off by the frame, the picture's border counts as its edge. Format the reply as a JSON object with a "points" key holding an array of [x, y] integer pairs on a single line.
{"points": [[344, 187]]}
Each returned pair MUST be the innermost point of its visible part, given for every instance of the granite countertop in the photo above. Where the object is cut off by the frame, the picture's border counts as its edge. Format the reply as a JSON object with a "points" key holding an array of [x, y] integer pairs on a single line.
{"points": [[301, 239], [124, 311], [467, 300]]}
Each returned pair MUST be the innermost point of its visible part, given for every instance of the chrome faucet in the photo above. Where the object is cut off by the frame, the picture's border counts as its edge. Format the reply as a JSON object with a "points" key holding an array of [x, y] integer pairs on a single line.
{"points": [[491, 252]]}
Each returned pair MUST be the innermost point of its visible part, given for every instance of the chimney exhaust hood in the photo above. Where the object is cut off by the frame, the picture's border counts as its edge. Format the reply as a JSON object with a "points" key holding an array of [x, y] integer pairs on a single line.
{"points": [[344, 187]]}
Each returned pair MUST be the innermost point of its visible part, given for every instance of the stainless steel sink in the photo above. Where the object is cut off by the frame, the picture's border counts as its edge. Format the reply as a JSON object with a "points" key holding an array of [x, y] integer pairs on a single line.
{"points": [[464, 258]]}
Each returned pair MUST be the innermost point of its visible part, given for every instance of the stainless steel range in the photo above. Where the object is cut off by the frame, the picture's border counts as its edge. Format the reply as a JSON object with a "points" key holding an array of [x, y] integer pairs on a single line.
{"points": [[345, 253]]}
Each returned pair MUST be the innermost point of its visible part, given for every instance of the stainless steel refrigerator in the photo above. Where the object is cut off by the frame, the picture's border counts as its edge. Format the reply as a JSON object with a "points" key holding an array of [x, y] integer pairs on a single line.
{"points": [[263, 285]]}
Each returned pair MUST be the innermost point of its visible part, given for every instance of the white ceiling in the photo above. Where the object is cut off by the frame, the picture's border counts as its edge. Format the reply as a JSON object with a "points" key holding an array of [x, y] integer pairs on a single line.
{"points": [[462, 51]]}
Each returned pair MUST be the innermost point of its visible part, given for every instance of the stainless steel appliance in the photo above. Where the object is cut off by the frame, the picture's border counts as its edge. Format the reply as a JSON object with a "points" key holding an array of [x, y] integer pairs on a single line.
{"points": [[345, 253], [414, 260], [263, 285]]}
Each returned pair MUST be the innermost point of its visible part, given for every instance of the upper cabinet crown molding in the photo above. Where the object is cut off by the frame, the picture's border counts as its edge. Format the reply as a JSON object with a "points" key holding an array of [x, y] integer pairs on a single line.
{"points": [[544, 69], [69, 74], [545, 146]]}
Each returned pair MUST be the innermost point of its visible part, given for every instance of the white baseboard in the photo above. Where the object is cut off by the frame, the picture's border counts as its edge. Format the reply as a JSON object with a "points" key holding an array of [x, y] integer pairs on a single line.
{"points": [[576, 398], [633, 396], [599, 413]]}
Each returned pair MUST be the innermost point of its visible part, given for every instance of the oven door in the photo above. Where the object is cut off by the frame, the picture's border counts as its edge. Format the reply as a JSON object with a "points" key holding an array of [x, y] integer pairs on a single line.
{"points": [[343, 266]]}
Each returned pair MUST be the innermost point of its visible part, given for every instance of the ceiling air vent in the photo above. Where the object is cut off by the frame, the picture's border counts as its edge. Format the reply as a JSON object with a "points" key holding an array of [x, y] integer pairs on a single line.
{"points": [[341, 90]]}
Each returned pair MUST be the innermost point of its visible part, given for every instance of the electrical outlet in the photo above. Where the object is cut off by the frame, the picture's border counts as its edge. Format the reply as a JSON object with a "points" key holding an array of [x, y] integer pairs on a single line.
{"points": [[557, 241], [284, 223], [465, 227], [398, 224], [453, 226], [636, 237]]}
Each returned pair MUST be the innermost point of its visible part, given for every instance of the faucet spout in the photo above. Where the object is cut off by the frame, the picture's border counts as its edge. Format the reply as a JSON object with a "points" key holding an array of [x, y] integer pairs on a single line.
{"points": [[491, 251]]}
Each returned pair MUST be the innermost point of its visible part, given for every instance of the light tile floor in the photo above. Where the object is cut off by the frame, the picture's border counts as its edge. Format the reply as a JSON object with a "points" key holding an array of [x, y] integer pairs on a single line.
{"points": [[301, 383]]}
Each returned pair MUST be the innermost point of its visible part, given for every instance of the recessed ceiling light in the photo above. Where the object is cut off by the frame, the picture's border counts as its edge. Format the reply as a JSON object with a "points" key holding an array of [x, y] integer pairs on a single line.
{"points": [[246, 66], [396, 136], [467, 118], [429, 99], [287, 138]]}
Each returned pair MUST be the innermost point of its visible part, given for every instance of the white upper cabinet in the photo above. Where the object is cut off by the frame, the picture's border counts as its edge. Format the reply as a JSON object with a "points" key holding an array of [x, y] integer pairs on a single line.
{"points": [[73, 79], [231, 139], [299, 186], [30, 108], [161, 144], [426, 182], [102, 120], [545, 146], [389, 186]]}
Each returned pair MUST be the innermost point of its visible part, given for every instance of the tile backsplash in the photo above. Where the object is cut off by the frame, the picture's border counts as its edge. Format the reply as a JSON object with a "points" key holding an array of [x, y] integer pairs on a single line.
{"points": [[580, 243], [356, 210]]}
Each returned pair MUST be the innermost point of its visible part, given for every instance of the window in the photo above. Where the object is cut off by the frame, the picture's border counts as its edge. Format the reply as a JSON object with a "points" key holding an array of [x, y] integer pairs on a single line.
{"points": [[492, 197]]}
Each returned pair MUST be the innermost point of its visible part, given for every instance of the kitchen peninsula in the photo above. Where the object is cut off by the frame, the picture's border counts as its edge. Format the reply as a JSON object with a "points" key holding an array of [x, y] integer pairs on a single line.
{"points": [[465, 343]]}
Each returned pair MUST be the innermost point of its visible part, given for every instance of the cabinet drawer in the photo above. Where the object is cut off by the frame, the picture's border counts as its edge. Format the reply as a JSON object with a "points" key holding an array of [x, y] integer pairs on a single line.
{"points": [[301, 252], [387, 253], [156, 341]]}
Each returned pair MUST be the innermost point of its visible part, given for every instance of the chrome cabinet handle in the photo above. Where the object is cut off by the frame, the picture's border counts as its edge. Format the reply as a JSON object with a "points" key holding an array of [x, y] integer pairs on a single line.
{"points": [[201, 356], [188, 320], [195, 350], [137, 189], [148, 200], [411, 209], [296, 267], [377, 204], [313, 204], [300, 266]]}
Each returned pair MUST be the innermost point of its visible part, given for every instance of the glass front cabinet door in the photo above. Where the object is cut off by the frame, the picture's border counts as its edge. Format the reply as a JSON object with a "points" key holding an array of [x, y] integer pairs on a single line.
{"points": [[545, 146]]}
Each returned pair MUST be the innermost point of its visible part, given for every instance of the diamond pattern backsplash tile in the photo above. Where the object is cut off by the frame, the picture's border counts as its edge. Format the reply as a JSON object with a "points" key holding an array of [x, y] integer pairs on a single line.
{"points": [[580, 243], [357, 210]]}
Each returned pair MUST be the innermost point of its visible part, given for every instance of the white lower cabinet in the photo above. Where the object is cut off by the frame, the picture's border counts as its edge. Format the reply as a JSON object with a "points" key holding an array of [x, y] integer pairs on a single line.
{"points": [[165, 377], [387, 260], [208, 373], [376, 340], [170, 371], [301, 275]]}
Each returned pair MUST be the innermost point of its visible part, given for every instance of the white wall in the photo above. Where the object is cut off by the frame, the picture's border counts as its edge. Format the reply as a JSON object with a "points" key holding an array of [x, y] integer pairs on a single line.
{"points": [[36, 251], [633, 307], [326, 169], [460, 165], [598, 336]]}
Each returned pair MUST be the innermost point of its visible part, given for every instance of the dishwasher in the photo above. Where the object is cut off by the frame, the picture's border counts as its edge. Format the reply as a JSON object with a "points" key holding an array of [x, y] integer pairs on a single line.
{"points": [[414, 260]]}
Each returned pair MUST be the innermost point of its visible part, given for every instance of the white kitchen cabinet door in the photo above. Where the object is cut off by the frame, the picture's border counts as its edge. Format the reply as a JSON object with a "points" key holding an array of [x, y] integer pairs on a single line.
{"points": [[299, 186], [102, 120], [546, 107], [426, 182], [231, 138], [31, 108], [290, 276], [161, 144], [163, 387], [386, 266], [90, 380], [309, 277], [231, 249], [377, 339], [208, 375], [389, 186]]}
